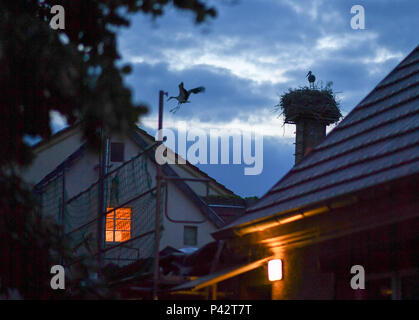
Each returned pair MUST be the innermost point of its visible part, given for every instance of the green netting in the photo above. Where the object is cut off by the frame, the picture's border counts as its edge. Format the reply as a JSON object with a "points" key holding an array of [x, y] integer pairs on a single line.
{"points": [[121, 187], [50, 198]]}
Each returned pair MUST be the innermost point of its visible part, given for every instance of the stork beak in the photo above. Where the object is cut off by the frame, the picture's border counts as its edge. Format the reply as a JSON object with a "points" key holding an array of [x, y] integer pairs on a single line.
{"points": [[308, 73]]}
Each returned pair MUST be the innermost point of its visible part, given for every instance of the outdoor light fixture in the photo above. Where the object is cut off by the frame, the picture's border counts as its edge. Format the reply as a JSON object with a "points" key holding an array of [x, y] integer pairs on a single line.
{"points": [[275, 269], [292, 218]]}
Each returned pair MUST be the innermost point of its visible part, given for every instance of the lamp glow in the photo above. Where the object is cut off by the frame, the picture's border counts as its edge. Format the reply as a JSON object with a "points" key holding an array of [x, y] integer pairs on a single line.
{"points": [[275, 270]]}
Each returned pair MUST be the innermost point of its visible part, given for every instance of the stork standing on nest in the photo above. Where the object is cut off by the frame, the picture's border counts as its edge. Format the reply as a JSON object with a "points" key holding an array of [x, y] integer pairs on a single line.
{"points": [[311, 79], [184, 95]]}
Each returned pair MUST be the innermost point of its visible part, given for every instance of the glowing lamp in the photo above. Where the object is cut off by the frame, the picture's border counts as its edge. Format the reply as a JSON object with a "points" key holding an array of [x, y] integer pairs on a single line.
{"points": [[275, 270]]}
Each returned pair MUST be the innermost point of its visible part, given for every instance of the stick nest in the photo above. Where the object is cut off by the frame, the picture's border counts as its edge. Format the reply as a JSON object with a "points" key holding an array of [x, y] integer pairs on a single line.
{"points": [[310, 103]]}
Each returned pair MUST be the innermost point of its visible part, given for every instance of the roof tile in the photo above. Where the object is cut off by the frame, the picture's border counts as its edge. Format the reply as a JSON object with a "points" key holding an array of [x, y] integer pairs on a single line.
{"points": [[377, 142]]}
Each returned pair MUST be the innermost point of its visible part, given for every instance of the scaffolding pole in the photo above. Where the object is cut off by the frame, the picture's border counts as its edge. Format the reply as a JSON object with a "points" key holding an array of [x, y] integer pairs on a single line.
{"points": [[158, 203]]}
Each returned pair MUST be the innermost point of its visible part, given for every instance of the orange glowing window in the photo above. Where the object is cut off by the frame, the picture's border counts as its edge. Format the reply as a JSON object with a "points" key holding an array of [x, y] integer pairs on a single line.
{"points": [[118, 225]]}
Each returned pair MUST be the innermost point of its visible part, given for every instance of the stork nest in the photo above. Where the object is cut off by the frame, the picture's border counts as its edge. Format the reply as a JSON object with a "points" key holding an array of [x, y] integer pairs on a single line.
{"points": [[310, 103]]}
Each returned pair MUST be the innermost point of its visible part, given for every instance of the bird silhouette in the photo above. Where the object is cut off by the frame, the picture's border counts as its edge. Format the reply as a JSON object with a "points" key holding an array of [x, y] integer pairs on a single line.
{"points": [[311, 79], [184, 96]]}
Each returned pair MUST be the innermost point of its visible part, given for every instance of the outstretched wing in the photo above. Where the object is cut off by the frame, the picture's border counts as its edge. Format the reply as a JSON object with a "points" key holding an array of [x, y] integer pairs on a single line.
{"points": [[196, 90]]}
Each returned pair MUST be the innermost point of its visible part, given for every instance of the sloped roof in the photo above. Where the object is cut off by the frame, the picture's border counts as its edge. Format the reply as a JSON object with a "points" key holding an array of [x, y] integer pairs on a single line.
{"points": [[376, 143], [193, 167], [168, 171], [67, 163], [139, 140], [55, 138]]}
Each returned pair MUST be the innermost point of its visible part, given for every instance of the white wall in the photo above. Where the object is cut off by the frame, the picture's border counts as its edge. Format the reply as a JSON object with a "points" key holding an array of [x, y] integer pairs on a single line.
{"points": [[179, 207], [50, 155], [84, 172]]}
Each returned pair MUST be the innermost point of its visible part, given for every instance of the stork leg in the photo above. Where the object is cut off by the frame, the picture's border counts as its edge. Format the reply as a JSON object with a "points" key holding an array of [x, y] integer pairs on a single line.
{"points": [[175, 109]]}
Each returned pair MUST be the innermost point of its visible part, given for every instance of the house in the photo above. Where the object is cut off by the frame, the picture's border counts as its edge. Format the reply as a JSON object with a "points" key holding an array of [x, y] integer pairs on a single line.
{"points": [[348, 210], [66, 177]]}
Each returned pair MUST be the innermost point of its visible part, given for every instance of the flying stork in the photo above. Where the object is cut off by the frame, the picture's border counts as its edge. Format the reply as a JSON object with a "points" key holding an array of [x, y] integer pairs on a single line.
{"points": [[184, 95], [311, 79]]}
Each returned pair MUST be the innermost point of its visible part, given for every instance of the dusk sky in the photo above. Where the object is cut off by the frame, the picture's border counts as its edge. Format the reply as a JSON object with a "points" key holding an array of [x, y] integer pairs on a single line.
{"points": [[251, 54]]}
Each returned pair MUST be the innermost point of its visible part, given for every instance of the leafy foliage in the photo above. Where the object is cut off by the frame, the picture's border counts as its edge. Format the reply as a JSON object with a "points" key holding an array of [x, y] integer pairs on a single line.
{"points": [[72, 71]]}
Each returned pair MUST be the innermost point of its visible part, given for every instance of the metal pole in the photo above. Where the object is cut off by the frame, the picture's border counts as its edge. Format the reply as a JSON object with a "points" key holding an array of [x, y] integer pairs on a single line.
{"points": [[101, 209], [158, 198], [63, 210]]}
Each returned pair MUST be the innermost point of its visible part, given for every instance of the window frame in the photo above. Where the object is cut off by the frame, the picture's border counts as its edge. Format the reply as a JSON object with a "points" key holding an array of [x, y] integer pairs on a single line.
{"points": [[195, 228]]}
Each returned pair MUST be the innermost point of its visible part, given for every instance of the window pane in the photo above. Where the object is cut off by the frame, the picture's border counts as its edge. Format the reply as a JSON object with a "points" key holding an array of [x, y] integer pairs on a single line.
{"points": [[109, 236], [109, 223], [122, 236], [190, 235], [125, 235], [117, 152], [123, 225], [123, 213], [118, 221]]}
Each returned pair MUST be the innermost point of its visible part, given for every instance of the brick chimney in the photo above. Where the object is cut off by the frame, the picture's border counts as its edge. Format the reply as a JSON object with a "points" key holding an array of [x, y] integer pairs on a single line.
{"points": [[311, 110], [309, 133]]}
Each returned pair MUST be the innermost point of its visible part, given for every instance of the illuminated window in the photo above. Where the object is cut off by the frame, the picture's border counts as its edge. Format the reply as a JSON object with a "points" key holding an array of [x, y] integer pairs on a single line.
{"points": [[118, 225], [190, 235]]}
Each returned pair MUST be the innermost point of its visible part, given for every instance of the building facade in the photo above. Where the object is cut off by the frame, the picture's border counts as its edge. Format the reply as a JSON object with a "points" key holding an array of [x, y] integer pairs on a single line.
{"points": [[66, 176]]}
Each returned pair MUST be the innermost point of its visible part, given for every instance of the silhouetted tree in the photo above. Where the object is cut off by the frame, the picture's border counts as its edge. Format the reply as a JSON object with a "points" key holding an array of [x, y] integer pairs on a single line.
{"points": [[72, 71]]}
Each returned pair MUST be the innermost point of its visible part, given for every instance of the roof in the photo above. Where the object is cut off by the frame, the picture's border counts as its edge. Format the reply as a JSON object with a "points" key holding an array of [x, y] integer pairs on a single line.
{"points": [[55, 138], [377, 142], [227, 207], [168, 171], [67, 163], [194, 168], [62, 134]]}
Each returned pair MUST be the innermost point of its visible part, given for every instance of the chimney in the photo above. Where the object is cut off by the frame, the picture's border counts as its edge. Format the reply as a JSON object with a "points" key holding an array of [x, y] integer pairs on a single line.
{"points": [[311, 109]]}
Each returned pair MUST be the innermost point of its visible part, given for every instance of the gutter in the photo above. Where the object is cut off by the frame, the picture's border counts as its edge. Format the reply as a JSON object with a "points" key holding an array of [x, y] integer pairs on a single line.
{"points": [[278, 219]]}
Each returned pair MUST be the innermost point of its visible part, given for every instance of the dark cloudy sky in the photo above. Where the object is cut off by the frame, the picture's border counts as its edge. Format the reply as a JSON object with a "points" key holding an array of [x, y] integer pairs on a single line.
{"points": [[253, 52]]}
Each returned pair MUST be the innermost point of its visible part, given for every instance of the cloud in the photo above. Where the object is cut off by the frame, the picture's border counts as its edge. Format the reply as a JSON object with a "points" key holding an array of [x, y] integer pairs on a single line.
{"points": [[265, 123], [333, 42], [254, 51]]}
